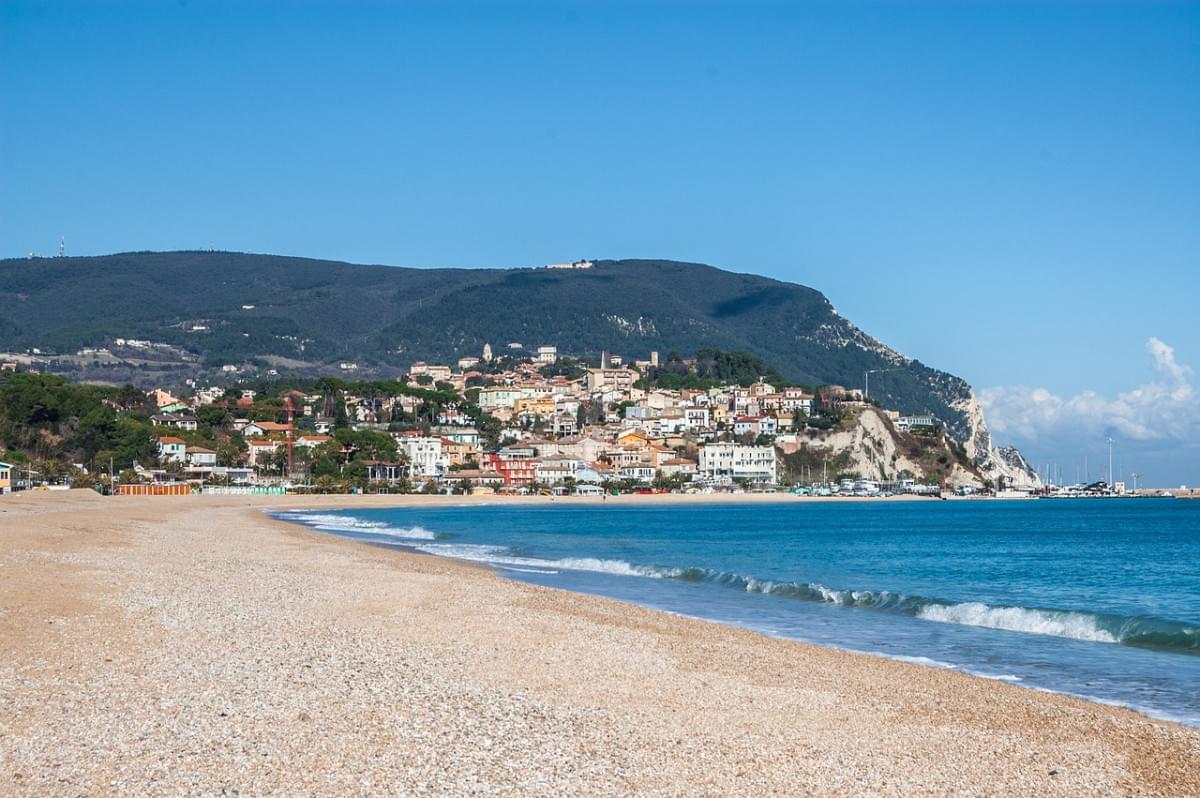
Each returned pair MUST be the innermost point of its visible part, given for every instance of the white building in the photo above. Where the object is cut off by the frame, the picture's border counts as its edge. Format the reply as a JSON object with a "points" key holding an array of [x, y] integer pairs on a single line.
{"points": [[186, 423], [172, 450], [756, 425], [638, 472], [583, 448], [697, 417], [207, 396], [498, 396], [426, 457], [616, 379], [796, 400], [722, 463], [200, 457], [261, 451], [440, 373], [547, 354], [564, 424], [468, 436], [906, 423], [557, 468]]}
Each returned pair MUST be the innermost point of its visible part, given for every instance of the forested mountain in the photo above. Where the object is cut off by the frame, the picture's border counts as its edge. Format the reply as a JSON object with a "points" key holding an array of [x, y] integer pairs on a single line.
{"points": [[303, 315]]}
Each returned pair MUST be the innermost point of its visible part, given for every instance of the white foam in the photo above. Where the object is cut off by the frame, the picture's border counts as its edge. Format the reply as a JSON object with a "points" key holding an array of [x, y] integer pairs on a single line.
{"points": [[344, 522], [1072, 625], [409, 533], [327, 522], [926, 661], [832, 596], [464, 551], [1011, 678], [619, 567], [498, 555]]}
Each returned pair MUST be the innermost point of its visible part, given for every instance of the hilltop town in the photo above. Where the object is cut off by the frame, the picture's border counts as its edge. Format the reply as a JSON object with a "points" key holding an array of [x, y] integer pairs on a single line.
{"points": [[513, 420]]}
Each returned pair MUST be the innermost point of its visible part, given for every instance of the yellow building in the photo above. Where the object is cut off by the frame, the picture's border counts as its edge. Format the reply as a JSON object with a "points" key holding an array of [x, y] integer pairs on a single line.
{"points": [[6, 474], [538, 406]]}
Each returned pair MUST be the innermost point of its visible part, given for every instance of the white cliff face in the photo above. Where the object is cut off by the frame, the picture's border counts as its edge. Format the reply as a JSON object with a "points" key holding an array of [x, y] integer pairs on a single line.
{"points": [[871, 449], [995, 464]]}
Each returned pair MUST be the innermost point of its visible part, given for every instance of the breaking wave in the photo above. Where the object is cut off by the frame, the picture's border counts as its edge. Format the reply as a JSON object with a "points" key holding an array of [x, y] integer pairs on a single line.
{"points": [[1129, 630], [1139, 631], [329, 522], [500, 555], [1073, 625]]}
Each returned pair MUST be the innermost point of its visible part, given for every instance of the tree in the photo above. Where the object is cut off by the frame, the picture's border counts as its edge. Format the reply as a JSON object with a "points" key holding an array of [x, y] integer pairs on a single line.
{"points": [[368, 443], [278, 461], [356, 472], [325, 467], [95, 431], [230, 452], [212, 416], [134, 441], [130, 397]]}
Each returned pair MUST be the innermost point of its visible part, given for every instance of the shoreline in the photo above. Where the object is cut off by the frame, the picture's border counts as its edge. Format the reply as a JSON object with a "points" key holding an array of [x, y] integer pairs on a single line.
{"points": [[413, 548], [255, 654]]}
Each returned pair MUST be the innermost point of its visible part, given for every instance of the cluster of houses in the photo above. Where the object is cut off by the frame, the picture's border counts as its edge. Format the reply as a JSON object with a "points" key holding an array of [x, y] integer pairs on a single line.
{"points": [[598, 429]]}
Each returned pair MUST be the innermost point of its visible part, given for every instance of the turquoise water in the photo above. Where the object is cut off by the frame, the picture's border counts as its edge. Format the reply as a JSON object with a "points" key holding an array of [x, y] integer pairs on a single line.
{"points": [[1098, 598]]}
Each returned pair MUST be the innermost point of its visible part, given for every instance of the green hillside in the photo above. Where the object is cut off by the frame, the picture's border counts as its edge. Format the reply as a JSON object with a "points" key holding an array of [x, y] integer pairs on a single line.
{"points": [[310, 314]]}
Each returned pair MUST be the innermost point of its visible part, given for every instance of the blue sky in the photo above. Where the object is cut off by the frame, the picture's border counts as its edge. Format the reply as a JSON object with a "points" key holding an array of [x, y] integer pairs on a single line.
{"points": [[1006, 191]]}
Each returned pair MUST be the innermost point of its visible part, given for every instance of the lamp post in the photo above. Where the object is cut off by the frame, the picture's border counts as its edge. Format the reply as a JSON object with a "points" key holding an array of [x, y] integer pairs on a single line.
{"points": [[867, 380]]}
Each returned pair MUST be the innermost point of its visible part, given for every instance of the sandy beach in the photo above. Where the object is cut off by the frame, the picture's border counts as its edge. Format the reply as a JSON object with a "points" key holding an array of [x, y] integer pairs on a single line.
{"points": [[194, 646]]}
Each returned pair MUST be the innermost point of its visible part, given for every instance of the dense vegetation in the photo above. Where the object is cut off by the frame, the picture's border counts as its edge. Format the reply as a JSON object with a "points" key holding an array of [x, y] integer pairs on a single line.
{"points": [[711, 368], [52, 424], [55, 427], [304, 315]]}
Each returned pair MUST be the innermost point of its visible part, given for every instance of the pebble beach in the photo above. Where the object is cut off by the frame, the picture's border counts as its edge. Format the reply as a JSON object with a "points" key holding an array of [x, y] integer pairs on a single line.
{"points": [[195, 646]]}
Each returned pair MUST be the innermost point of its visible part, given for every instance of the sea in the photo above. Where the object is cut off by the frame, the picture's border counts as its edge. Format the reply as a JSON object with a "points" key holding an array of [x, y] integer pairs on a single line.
{"points": [[1098, 598]]}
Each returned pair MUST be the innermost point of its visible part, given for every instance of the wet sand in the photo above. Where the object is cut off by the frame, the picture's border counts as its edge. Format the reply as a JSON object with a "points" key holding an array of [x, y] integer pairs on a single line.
{"points": [[192, 645]]}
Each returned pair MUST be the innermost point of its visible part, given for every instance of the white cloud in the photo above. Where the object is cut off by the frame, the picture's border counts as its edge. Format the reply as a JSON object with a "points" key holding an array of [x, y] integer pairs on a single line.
{"points": [[1165, 409]]}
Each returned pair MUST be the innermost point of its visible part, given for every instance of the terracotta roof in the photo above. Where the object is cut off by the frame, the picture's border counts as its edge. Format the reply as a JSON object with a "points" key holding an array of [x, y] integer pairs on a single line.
{"points": [[170, 439]]}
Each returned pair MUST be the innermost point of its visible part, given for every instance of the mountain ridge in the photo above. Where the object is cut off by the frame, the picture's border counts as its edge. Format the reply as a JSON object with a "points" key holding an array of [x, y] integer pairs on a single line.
{"points": [[230, 308]]}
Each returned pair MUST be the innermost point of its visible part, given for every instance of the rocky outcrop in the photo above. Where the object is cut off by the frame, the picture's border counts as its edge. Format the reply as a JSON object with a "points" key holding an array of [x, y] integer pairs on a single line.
{"points": [[997, 465], [960, 412], [869, 446]]}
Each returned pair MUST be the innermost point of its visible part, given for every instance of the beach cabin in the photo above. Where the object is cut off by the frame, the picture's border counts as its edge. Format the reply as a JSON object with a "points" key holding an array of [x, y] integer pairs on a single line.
{"points": [[6, 478]]}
